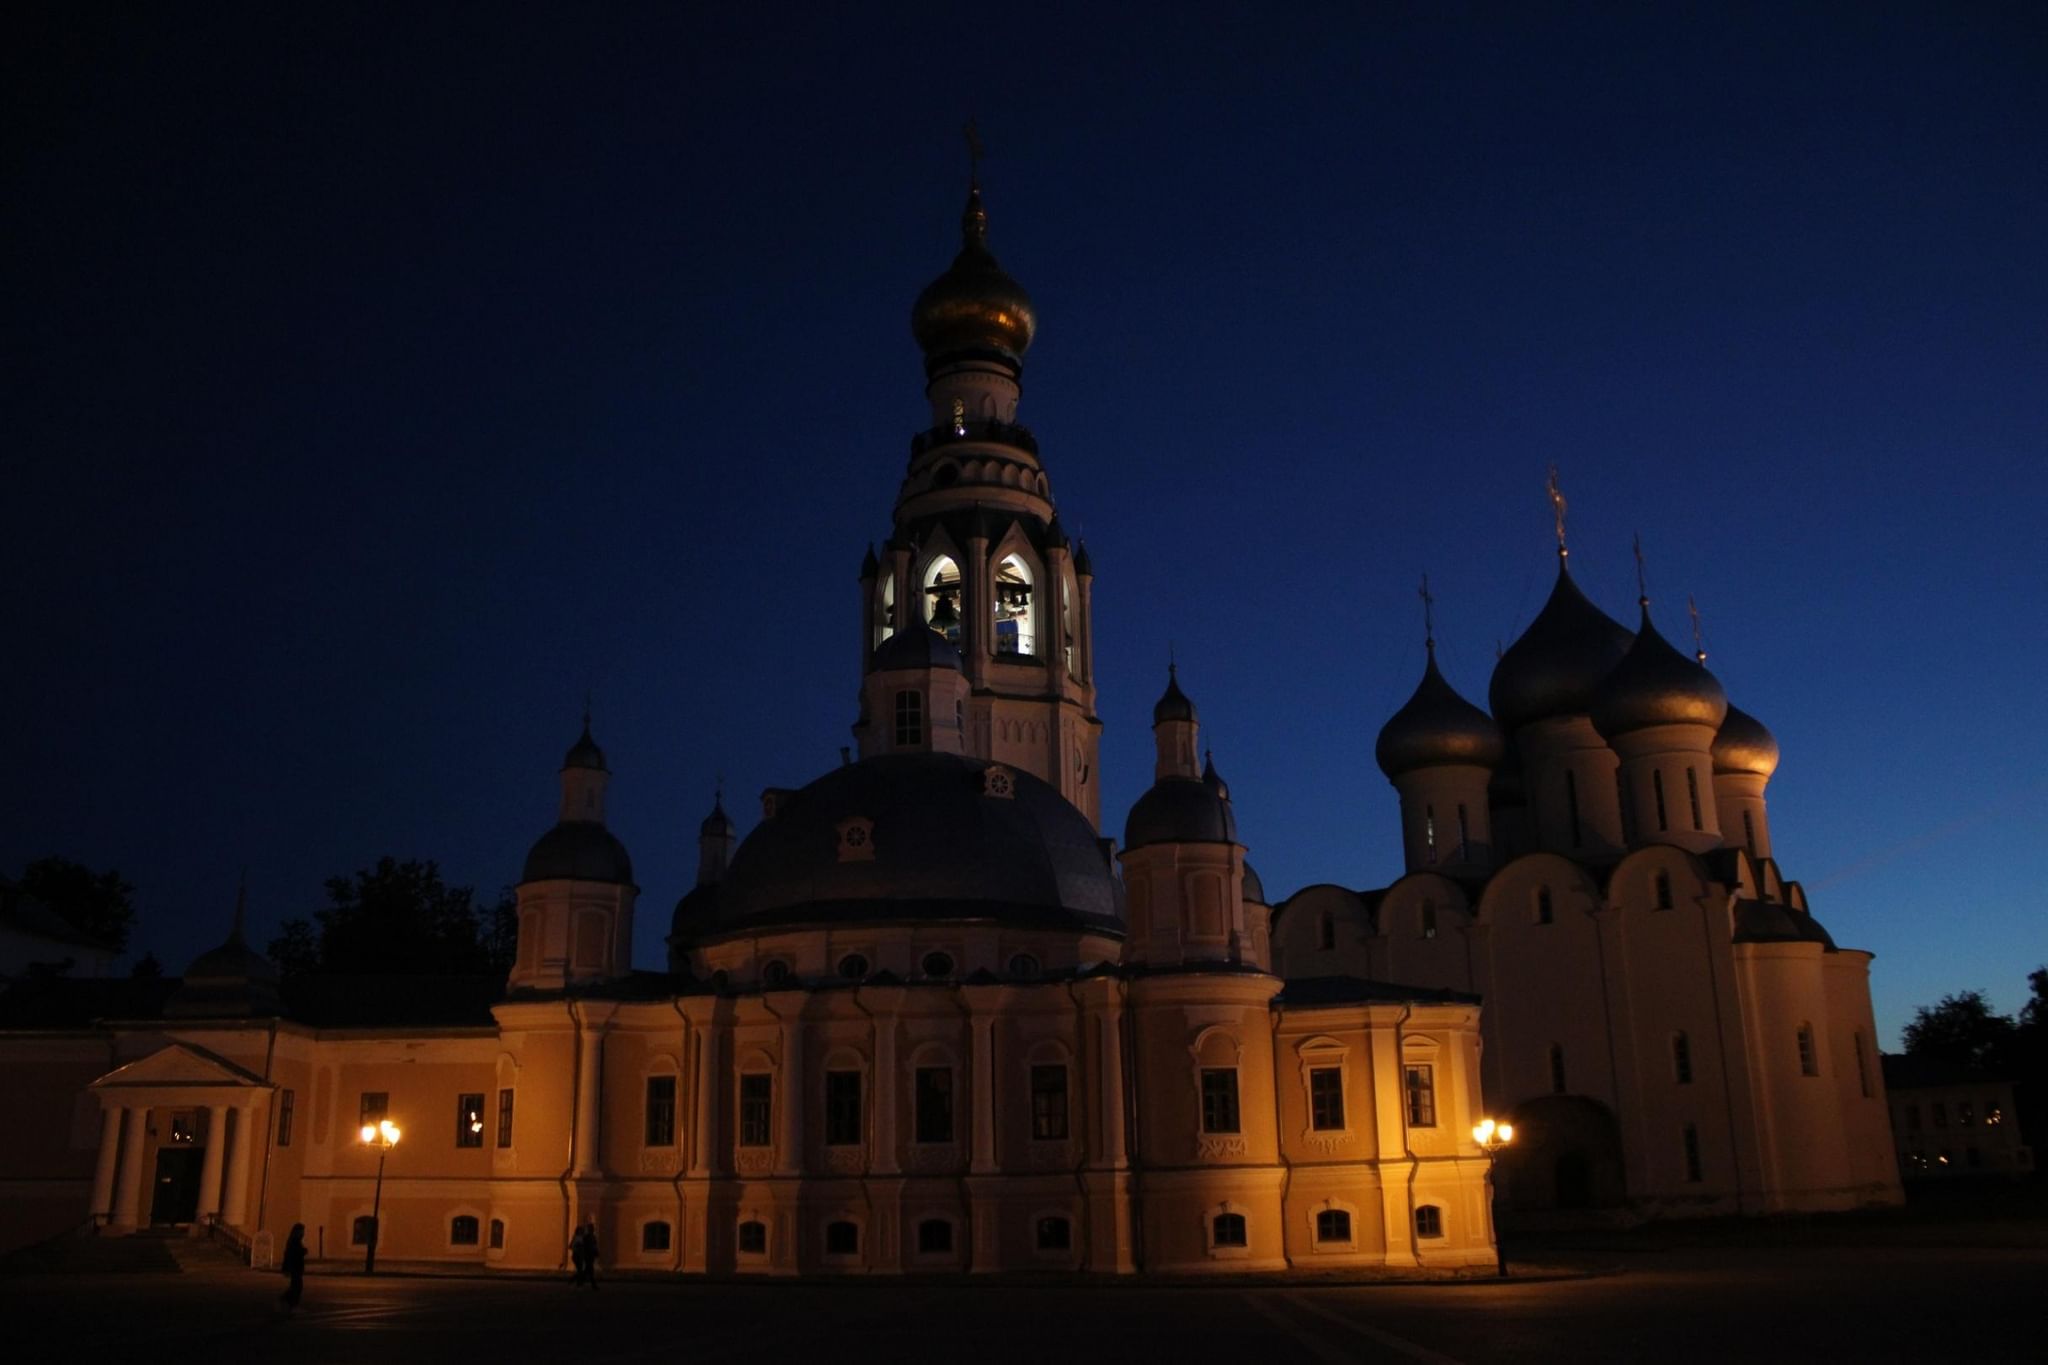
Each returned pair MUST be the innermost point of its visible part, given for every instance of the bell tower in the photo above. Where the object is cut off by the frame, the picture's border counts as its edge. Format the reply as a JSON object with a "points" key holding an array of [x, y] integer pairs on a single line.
{"points": [[976, 553]]}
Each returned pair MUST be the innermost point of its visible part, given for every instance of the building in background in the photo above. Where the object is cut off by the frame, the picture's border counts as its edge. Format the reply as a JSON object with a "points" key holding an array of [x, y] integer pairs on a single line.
{"points": [[1953, 1122]]}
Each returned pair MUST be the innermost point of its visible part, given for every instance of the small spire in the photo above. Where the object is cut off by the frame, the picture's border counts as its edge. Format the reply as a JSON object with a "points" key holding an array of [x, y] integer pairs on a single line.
{"points": [[1699, 650], [1557, 506], [1642, 582], [1428, 618]]}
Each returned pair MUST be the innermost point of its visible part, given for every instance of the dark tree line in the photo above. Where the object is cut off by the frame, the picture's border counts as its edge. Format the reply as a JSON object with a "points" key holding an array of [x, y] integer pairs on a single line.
{"points": [[1963, 1032], [399, 917]]}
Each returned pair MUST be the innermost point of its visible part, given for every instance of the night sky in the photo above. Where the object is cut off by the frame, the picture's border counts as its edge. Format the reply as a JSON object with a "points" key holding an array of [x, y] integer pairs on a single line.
{"points": [[379, 382]]}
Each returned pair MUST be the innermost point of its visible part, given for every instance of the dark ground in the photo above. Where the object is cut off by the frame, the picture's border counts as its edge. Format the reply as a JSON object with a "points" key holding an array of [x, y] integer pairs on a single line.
{"points": [[1956, 1281]]}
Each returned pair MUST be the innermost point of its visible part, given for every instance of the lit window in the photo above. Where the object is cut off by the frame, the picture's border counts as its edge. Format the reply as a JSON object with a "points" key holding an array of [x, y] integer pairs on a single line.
{"points": [[1055, 1234], [1016, 615], [1681, 1059], [463, 1231], [1429, 1221], [842, 1238], [469, 1120], [842, 1109], [373, 1107], [1993, 1115], [934, 1109], [285, 1105], [757, 1096], [1049, 1103], [754, 1238], [1219, 1099], [654, 1236], [1692, 1154], [1326, 1098], [1227, 1229], [934, 1237], [1809, 1059], [909, 720], [1421, 1086], [1333, 1225], [505, 1117]]}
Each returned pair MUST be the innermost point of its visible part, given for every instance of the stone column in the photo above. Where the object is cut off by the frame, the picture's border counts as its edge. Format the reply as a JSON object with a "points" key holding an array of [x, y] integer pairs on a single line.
{"points": [[216, 1148], [982, 1159], [103, 1169], [1111, 1092], [236, 1199], [704, 1141], [792, 1096], [885, 1162], [128, 1199], [589, 1086]]}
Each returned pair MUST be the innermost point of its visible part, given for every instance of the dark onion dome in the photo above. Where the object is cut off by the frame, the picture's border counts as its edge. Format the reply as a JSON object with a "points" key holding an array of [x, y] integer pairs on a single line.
{"points": [[233, 979], [1654, 684], [869, 565], [1254, 886], [1083, 564], [694, 913], [584, 753], [1173, 704], [934, 844], [916, 648], [974, 306], [578, 850], [1180, 810], [1558, 661], [1436, 727], [1745, 745]]}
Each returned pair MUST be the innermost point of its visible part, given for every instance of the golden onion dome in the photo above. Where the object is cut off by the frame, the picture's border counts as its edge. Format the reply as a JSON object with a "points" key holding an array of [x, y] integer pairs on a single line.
{"points": [[1558, 661], [974, 306], [1654, 684], [1745, 745], [1435, 728]]}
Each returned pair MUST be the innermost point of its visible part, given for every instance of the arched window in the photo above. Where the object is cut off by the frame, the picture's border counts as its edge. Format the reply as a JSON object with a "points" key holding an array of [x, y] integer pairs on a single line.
{"points": [[934, 1237], [654, 1236], [1557, 1086], [1692, 791], [1429, 1221], [885, 608], [909, 719], [1024, 966], [1429, 834], [1660, 886], [1333, 1225], [463, 1230], [1016, 608], [754, 1238], [942, 596], [1055, 1234], [853, 967], [362, 1231], [1571, 805], [1227, 1230], [842, 1238]]}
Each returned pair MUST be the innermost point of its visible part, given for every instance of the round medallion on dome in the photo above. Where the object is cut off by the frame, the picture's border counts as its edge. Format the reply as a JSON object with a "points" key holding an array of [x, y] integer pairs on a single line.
{"points": [[1436, 727], [974, 306], [1558, 661], [1745, 745], [1654, 684]]}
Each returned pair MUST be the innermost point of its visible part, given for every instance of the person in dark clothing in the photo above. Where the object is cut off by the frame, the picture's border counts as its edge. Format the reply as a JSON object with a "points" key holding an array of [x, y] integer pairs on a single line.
{"points": [[583, 1250], [293, 1264]]}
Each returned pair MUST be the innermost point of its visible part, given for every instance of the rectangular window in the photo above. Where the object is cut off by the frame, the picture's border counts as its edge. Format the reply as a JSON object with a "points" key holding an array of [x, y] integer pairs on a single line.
{"points": [[469, 1120], [934, 1098], [757, 1098], [1693, 1174], [1657, 786], [842, 1109], [661, 1111], [373, 1107], [505, 1118], [909, 720], [1421, 1084], [1219, 1099], [1571, 805], [1809, 1059], [1048, 1103], [1326, 1098], [286, 1103], [1692, 791], [1544, 910]]}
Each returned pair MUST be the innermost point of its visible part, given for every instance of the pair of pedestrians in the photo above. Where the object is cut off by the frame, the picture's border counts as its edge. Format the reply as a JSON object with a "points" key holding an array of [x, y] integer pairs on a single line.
{"points": [[583, 1255]]}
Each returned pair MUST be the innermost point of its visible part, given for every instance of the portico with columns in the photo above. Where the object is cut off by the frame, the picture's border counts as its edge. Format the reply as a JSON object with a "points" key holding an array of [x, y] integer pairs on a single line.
{"points": [[175, 1100]]}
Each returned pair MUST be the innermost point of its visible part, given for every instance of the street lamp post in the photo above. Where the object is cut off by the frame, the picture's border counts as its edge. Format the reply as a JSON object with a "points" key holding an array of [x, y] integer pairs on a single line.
{"points": [[1491, 1137], [384, 1134]]}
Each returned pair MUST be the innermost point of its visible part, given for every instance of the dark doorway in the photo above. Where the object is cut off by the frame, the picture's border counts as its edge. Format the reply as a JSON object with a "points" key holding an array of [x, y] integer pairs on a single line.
{"points": [[1574, 1181], [177, 1184], [1566, 1156]]}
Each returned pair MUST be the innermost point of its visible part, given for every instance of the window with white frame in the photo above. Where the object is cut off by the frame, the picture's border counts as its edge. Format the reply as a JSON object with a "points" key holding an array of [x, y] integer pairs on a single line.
{"points": [[463, 1230], [1333, 1225], [757, 1097], [1049, 1102], [1420, 1080], [1429, 1221], [1326, 1098], [1227, 1230], [654, 1236], [1219, 1099]]}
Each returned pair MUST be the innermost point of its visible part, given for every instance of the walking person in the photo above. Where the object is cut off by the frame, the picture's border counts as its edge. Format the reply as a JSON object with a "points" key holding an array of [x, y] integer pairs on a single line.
{"points": [[576, 1257], [589, 1261], [293, 1264]]}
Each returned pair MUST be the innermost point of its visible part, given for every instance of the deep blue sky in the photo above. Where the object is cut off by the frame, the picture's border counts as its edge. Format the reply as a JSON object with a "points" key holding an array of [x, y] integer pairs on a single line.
{"points": [[377, 382]]}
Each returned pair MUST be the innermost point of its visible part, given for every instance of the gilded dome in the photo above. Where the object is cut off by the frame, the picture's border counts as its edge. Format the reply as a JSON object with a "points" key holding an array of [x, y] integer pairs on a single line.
{"points": [[1437, 727], [1654, 684], [974, 306], [1744, 745], [1558, 661]]}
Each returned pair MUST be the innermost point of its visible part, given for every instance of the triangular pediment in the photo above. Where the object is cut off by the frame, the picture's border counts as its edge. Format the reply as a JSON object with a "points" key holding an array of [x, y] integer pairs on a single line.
{"points": [[178, 1064]]}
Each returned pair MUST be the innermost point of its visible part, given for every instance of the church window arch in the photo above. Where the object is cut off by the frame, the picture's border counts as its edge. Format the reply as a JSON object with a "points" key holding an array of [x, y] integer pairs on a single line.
{"points": [[1429, 1221], [1571, 805], [654, 1237], [1660, 891], [885, 607], [1692, 792], [1333, 1227], [842, 1238], [1016, 607], [1227, 1229], [753, 1237], [909, 719], [465, 1230], [1657, 786], [1809, 1055]]}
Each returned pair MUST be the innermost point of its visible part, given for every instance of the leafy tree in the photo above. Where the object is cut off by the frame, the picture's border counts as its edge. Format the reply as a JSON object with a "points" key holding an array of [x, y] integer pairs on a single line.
{"points": [[2034, 1014], [396, 917], [147, 966], [1961, 1030], [98, 905]]}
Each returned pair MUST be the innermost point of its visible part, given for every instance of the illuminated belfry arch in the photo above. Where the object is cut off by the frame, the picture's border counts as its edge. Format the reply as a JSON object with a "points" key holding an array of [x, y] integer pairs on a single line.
{"points": [[976, 554]]}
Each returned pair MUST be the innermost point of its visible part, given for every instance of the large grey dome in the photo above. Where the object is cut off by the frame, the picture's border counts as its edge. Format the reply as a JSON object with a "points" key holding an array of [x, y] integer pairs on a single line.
{"points": [[932, 842], [1435, 727], [579, 850], [1180, 810], [1656, 685], [1558, 661]]}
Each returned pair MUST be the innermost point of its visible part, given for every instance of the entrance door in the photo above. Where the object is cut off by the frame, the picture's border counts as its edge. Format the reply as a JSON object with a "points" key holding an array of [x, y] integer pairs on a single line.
{"points": [[177, 1184]]}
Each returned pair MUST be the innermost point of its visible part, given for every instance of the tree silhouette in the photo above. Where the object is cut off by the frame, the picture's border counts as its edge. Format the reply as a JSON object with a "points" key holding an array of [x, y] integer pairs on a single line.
{"points": [[398, 917], [1962, 1031], [99, 905]]}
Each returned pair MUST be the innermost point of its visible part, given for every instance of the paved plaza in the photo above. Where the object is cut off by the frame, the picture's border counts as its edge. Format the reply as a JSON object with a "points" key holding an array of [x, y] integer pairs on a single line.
{"points": [[1639, 1301]]}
